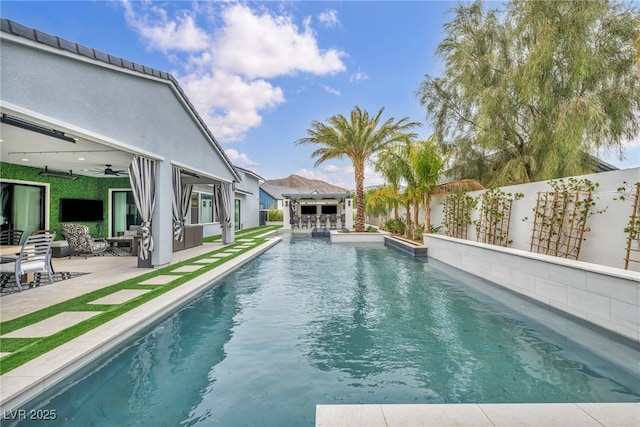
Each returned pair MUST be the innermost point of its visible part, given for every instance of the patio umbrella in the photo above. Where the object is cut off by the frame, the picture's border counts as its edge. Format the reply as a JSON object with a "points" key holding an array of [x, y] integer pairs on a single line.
{"points": [[142, 175]]}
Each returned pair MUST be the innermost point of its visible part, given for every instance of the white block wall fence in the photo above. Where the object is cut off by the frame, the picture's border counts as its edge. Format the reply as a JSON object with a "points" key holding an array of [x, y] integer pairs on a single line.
{"points": [[595, 288]]}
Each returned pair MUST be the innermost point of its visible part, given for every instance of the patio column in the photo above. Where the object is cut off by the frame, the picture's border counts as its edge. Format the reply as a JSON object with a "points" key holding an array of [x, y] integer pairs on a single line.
{"points": [[286, 218], [162, 222], [348, 213]]}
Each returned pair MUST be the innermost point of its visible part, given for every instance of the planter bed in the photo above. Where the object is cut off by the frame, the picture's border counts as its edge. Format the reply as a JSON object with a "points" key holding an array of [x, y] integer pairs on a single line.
{"points": [[415, 249]]}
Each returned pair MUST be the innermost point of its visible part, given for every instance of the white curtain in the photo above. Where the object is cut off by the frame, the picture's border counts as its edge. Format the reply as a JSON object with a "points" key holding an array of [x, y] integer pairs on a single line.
{"points": [[142, 174], [187, 190], [176, 205], [223, 208]]}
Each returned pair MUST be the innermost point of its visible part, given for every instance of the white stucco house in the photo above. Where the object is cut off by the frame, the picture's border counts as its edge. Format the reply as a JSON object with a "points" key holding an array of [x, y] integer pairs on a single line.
{"points": [[247, 199], [80, 124]]}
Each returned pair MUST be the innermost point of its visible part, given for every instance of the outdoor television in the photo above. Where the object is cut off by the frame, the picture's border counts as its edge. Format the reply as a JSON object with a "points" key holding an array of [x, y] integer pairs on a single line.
{"points": [[81, 210]]}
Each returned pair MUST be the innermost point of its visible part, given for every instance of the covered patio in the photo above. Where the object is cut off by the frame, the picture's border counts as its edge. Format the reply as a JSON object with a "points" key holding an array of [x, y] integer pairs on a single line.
{"points": [[318, 211], [78, 123]]}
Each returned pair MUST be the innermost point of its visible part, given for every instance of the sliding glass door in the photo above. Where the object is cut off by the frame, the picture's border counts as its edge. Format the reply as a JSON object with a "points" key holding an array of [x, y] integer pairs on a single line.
{"points": [[123, 211], [22, 207]]}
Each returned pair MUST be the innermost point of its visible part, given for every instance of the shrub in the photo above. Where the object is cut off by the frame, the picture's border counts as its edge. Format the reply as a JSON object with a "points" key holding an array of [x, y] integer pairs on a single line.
{"points": [[275, 215], [395, 226]]}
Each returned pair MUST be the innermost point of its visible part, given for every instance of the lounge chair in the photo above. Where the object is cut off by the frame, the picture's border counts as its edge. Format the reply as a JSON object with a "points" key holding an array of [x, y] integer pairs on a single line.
{"points": [[35, 257], [80, 240]]}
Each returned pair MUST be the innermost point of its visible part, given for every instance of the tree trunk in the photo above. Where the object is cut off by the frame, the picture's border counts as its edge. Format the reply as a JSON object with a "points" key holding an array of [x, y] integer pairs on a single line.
{"points": [[416, 213], [407, 225], [427, 212], [359, 175]]}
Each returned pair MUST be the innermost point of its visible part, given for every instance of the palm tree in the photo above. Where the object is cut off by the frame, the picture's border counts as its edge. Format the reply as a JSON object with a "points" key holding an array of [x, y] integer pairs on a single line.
{"points": [[426, 164], [394, 162], [359, 138]]}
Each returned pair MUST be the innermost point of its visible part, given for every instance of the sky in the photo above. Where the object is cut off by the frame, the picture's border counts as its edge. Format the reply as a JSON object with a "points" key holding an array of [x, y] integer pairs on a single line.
{"points": [[259, 73]]}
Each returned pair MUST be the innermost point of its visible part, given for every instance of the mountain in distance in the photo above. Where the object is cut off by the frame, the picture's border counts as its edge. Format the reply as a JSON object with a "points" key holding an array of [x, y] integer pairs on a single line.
{"points": [[304, 185]]}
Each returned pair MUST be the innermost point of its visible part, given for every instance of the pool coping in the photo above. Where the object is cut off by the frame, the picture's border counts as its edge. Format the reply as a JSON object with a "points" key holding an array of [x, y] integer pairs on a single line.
{"points": [[480, 414], [29, 380]]}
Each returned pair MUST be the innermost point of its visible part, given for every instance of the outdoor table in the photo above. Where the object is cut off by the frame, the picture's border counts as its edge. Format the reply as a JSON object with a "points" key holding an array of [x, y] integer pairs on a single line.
{"points": [[10, 249], [131, 240]]}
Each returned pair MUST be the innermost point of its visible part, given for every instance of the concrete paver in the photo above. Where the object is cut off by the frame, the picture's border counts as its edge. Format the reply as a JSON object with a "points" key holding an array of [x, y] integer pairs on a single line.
{"points": [[119, 297], [52, 325]]}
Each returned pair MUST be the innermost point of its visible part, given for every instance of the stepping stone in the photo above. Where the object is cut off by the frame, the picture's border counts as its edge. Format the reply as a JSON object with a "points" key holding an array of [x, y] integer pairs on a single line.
{"points": [[120, 296], [3, 355], [245, 240], [232, 251], [53, 324], [220, 255], [207, 260], [186, 269], [162, 279]]}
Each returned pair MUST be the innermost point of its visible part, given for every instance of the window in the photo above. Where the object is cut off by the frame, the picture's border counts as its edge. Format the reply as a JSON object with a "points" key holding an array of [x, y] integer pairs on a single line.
{"points": [[308, 209], [329, 209], [237, 214], [206, 207], [202, 208]]}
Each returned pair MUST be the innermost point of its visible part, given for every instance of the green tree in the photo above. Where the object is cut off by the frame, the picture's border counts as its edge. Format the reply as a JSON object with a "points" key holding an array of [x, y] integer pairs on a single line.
{"points": [[416, 165], [530, 90], [358, 138]]}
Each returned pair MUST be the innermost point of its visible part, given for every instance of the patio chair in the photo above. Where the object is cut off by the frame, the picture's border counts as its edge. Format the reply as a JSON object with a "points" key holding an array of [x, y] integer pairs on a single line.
{"points": [[295, 221], [35, 257], [323, 221], [313, 221], [53, 234], [305, 221], [333, 221], [10, 238], [80, 241]]}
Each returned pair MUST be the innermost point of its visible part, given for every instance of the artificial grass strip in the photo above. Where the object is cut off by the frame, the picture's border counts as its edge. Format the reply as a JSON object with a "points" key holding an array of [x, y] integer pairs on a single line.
{"points": [[247, 233], [28, 349]]}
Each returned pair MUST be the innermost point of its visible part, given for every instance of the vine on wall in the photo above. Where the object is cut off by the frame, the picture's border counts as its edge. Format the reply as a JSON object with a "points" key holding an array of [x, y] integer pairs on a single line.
{"points": [[495, 216], [560, 217], [633, 231], [457, 214]]}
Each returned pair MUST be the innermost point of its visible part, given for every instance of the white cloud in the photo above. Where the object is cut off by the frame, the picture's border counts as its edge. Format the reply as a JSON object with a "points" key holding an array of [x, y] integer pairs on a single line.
{"points": [[331, 90], [239, 159], [338, 169], [358, 77], [229, 104], [266, 45], [164, 34], [329, 18], [226, 69]]}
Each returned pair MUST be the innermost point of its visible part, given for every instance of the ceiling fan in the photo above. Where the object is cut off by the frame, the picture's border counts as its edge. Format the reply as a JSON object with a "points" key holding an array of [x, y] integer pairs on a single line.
{"points": [[108, 171]]}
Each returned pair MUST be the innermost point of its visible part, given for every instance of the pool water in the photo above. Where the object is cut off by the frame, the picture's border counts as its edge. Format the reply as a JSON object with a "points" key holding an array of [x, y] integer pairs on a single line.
{"points": [[311, 323]]}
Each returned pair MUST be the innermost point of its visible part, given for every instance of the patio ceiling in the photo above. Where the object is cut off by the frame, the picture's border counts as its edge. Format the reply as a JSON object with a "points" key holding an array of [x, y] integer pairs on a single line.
{"points": [[32, 148]]}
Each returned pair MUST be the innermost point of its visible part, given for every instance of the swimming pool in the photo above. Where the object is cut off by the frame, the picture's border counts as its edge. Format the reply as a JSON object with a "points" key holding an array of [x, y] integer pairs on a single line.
{"points": [[309, 322]]}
